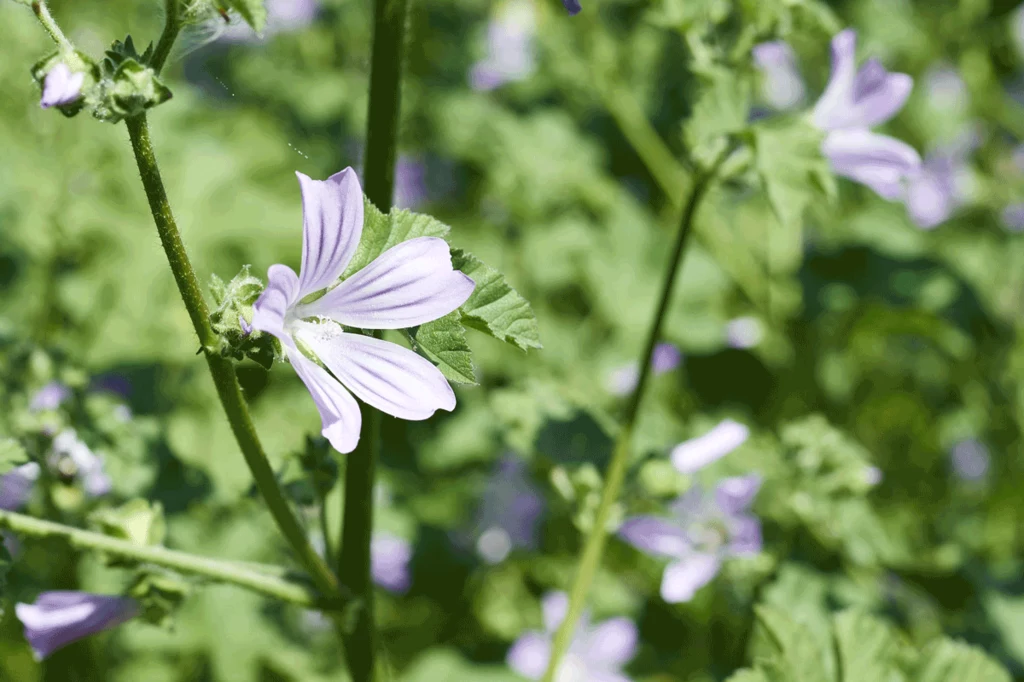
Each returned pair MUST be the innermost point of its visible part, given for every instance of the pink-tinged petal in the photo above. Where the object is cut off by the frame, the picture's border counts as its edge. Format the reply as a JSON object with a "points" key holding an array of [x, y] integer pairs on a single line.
{"points": [[272, 306], [60, 618], [881, 162], [407, 285], [339, 412], [554, 606], [610, 644], [684, 578], [877, 95], [830, 111], [393, 379], [332, 223], [655, 536], [697, 453], [61, 86], [529, 655], [735, 494]]}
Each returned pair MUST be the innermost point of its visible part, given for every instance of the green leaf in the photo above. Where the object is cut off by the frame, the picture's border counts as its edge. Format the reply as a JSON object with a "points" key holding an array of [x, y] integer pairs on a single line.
{"points": [[722, 108], [946, 660], [1006, 612], [443, 342], [381, 232], [253, 11], [867, 647], [12, 454], [792, 170], [786, 649], [494, 307]]}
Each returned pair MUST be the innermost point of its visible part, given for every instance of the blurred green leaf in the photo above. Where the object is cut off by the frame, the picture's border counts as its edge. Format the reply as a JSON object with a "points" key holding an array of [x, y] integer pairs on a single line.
{"points": [[12, 454]]}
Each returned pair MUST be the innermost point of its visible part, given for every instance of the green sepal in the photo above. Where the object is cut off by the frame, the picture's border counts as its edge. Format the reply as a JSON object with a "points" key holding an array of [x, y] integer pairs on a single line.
{"points": [[159, 594], [231, 319], [78, 62]]}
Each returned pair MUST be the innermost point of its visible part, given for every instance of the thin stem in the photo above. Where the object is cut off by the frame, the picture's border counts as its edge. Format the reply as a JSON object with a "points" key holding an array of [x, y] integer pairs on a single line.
{"points": [[256, 578], [593, 548], [172, 26], [50, 24], [221, 369], [364, 660]]}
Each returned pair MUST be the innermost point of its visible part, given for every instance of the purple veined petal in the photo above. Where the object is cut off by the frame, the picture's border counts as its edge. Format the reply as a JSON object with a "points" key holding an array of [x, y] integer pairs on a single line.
{"points": [[697, 453], [656, 536], [881, 162], [572, 6], [59, 618], [332, 223], [745, 535], [272, 306], [878, 95], [16, 486], [830, 111], [408, 285], [554, 606], [393, 379], [389, 562], [734, 495], [49, 397], [610, 644], [529, 655], [683, 578], [783, 87], [61, 86], [339, 412], [665, 358]]}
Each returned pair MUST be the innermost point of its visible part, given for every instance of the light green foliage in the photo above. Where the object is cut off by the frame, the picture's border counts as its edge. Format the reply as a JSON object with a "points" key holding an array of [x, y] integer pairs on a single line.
{"points": [[12, 454], [160, 594], [138, 521], [791, 168]]}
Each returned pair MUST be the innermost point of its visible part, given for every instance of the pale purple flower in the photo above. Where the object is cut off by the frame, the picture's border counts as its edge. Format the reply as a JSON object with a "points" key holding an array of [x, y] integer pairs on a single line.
{"points": [[744, 332], [69, 452], [283, 16], [16, 486], [408, 285], [61, 86], [854, 101], [510, 53], [49, 397], [622, 380], [695, 454], [389, 562], [782, 87], [938, 189], [970, 459], [509, 512], [703, 531], [60, 618], [1013, 217], [410, 182], [597, 652]]}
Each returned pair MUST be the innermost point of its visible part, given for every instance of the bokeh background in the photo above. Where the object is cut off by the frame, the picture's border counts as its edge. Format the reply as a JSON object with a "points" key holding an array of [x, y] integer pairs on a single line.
{"points": [[879, 365]]}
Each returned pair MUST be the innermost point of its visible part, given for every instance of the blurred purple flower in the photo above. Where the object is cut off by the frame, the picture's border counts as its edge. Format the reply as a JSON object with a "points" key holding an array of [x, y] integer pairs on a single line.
{"points": [[695, 454], [60, 618], [16, 486], [623, 380], [854, 101], [283, 16], [704, 530], [936, 191], [61, 86], [572, 6], [970, 459], [510, 54], [509, 512], [1013, 217], [410, 182], [389, 562], [86, 466], [782, 87], [597, 652], [49, 397], [743, 332]]}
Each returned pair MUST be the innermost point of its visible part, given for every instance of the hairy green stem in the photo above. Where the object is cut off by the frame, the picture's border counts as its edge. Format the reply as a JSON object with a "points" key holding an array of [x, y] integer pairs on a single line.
{"points": [[265, 580], [172, 26], [50, 24], [362, 649], [221, 369], [590, 559]]}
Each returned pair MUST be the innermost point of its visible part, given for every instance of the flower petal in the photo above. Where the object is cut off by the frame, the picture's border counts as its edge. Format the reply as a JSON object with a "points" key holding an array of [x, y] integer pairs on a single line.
{"points": [[683, 578], [16, 486], [734, 495], [407, 285], [697, 453], [282, 292], [611, 644], [332, 223], [783, 87], [529, 655], [656, 536], [61, 86], [745, 535], [829, 112], [389, 562], [877, 95], [882, 163], [393, 379], [339, 412], [59, 618]]}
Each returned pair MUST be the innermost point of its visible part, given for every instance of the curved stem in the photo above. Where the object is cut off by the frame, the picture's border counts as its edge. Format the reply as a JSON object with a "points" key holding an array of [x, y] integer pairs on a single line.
{"points": [[593, 548], [221, 369], [172, 26], [257, 578], [50, 24]]}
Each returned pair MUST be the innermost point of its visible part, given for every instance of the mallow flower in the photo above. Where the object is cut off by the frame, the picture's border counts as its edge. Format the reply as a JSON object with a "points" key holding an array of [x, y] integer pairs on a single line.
{"points": [[60, 618], [408, 285], [702, 531], [509, 512], [16, 486], [782, 87], [509, 47], [49, 397], [61, 86], [597, 653], [693, 455], [854, 101]]}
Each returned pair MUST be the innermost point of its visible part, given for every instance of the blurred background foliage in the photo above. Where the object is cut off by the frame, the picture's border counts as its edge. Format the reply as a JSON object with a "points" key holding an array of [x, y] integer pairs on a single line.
{"points": [[878, 344]]}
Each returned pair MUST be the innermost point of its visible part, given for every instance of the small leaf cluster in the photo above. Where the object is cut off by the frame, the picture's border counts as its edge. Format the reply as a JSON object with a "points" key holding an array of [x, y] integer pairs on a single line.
{"points": [[231, 319]]}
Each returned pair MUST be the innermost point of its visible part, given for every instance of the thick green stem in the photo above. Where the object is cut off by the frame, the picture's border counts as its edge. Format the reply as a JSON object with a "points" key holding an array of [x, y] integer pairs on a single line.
{"points": [[50, 24], [593, 548], [221, 369], [172, 26], [362, 653], [265, 580]]}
